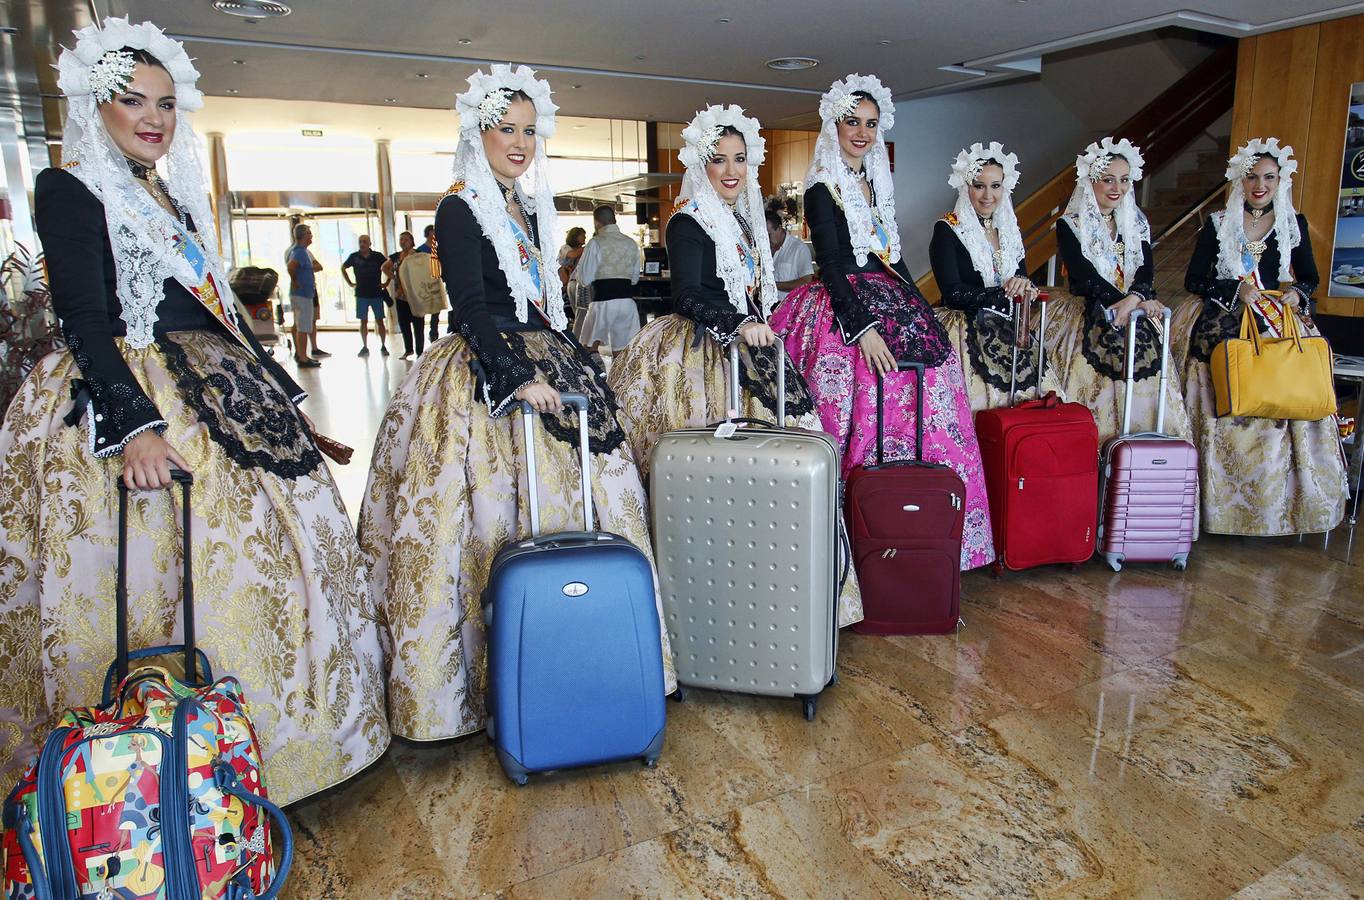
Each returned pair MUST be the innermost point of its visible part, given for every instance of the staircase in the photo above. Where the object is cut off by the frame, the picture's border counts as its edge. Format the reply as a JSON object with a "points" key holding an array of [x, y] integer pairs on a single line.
{"points": [[1165, 129]]}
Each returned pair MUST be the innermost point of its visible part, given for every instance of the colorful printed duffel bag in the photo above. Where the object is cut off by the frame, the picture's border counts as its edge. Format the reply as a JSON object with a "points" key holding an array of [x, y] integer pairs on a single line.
{"points": [[155, 794]]}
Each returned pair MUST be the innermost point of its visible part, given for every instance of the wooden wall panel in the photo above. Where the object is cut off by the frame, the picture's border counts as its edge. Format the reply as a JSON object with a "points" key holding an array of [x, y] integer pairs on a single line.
{"points": [[1295, 85]]}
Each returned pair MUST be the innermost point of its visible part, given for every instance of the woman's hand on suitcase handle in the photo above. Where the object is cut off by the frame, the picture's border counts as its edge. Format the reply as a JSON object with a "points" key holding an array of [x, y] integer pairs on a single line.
{"points": [[147, 461], [541, 397], [1122, 310], [757, 334], [1018, 287], [875, 353]]}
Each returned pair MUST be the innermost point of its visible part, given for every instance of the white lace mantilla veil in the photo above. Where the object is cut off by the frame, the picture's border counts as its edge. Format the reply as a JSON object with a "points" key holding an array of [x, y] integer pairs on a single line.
{"points": [[141, 233], [1231, 226], [968, 228], [698, 199], [476, 109], [828, 166], [1082, 212]]}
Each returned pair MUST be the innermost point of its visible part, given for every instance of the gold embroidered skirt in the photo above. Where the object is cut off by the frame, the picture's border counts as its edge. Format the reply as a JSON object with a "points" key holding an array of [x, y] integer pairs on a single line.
{"points": [[447, 491], [1259, 477], [666, 380], [281, 598]]}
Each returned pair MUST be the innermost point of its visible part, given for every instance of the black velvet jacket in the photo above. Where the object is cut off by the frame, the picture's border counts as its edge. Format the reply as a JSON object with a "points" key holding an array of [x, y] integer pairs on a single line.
{"points": [[698, 293], [482, 300], [1202, 278], [962, 286], [83, 282], [1085, 280], [834, 253]]}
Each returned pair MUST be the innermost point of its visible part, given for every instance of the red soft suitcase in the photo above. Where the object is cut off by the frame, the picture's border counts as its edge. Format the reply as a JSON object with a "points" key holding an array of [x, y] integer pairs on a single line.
{"points": [[1041, 462], [905, 519], [1150, 481]]}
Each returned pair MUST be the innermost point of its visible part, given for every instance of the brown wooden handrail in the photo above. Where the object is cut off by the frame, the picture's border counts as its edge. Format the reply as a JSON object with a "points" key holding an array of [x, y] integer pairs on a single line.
{"points": [[1162, 129]]}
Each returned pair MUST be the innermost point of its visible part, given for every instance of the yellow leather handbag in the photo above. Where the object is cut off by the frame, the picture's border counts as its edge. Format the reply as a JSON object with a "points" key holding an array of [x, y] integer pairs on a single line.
{"points": [[1273, 378]]}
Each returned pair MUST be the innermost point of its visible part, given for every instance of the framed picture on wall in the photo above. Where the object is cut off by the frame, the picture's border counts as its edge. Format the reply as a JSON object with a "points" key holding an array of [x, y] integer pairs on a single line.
{"points": [[1347, 258]]}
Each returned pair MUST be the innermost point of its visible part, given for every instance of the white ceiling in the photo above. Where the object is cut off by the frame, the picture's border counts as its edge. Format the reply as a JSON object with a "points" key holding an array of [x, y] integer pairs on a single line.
{"points": [[644, 59]]}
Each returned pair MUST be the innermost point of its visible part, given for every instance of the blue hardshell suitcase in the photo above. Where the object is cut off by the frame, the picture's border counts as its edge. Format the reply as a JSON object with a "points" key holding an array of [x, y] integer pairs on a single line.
{"points": [[575, 657]]}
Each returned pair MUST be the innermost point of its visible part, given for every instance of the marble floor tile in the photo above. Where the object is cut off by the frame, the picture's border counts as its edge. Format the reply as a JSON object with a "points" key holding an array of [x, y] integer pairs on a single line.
{"points": [[1328, 867]]}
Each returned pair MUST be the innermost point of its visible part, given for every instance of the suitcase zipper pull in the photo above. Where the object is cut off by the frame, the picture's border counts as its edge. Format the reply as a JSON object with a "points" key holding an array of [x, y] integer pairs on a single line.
{"points": [[1020, 484]]}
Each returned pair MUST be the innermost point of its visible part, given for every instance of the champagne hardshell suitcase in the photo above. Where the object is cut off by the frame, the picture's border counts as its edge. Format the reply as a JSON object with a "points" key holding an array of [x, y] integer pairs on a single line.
{"points": [[575, 657], [905, 522], [1150, 481], [747, 540], [155, 793], [1041, 461]]}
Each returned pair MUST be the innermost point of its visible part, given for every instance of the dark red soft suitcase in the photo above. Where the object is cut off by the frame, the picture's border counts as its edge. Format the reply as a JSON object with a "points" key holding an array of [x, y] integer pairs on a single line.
{"points": [[905, 519], [1041, 462], [1150, 486]]}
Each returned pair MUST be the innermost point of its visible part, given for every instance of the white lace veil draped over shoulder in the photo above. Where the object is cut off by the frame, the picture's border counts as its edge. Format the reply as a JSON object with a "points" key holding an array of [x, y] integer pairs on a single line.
{"points": [[481, 107], [968, 228], [698, 199], [1231, 226], [1086, 219], [828, 166], [142, 235]]}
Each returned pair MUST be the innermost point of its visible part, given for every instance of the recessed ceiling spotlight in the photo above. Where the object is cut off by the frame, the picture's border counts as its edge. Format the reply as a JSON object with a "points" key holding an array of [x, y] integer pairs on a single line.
{"points": [[233, 91], [390, 99], [792, 63], [423, 75], [465, 42], [253, 9], [577, 87], [238, 62], [724, 20], [885, 43]]}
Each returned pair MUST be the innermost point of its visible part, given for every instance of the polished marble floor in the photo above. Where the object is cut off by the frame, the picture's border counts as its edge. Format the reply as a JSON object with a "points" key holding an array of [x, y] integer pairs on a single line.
{"points": [[1149, 734]]}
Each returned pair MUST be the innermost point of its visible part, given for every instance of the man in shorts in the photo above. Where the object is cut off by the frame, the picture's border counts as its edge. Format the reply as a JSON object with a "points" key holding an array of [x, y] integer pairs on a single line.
{"points": [[302, 296], [369, 293]]}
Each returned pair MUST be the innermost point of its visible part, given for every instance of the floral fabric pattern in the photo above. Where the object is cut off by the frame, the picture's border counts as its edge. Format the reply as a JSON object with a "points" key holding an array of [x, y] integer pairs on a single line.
{"points": [[283, 603], [844, 390]]}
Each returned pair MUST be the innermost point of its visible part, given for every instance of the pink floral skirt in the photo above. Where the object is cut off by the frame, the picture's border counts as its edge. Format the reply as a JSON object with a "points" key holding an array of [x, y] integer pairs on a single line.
{"points": [[844, 392]]}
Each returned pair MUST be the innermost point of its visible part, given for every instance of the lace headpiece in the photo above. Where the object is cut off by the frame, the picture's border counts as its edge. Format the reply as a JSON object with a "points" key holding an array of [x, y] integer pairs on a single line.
{"points": [[699, 200], [480, 109], [1086, 219], [1231, 228], [828, 165], [143, 236], [965, 169]]}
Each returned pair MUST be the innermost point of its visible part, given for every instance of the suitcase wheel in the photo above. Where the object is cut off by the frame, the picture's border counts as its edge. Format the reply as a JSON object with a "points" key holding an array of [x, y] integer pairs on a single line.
{"points": [[650, 762], [809, 704], [996, 569], [680, 695], [1114, 561], [1180, 562], [520, 780], [833, 680]]}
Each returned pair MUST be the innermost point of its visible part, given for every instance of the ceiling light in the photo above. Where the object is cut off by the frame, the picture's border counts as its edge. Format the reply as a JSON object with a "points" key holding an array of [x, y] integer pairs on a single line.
{"points": [[724, 20], [390, 99], [792, 63], [233, 91], [579, 127], [885, 43], [238, 62], [423, 75], [577, 87], [465, 42], [253, 9], [640, 56]]}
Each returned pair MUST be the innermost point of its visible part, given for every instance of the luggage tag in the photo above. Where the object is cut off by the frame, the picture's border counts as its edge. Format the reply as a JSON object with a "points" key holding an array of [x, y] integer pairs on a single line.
{"points": [[728, 428]]}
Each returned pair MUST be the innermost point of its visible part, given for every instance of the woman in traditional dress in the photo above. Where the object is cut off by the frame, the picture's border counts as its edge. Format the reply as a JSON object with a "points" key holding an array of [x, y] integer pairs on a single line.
{"points": [[447, 488], [1105, 242], [978, 261], [864, 312], [160, 371], [673, 374], [1259, 476]]}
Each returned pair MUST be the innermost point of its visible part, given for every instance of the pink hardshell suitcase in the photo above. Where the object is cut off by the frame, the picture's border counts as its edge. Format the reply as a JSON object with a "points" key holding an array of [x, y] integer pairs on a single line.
{"points": [[1149, 495]]}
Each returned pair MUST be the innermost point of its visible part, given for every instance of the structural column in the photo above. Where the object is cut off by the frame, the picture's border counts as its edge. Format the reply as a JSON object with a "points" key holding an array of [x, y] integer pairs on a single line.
{"points": [[388, 213], [222, 204], [18, 177]]}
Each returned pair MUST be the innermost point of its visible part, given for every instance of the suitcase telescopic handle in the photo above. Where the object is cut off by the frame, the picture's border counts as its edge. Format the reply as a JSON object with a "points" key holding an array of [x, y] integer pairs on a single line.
{"points": [[735, 390], [1131, 370], [185, 480], [574, 400], [1021, 313], [901, 365]]}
